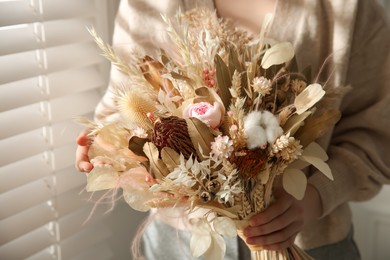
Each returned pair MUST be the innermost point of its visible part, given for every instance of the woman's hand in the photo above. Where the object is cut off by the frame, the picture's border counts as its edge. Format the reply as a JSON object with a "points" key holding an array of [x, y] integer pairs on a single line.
{"points": [[277, 226], [82, 160]]}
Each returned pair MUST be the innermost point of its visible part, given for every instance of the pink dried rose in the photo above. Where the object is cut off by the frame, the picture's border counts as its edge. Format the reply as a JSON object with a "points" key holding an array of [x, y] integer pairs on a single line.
{"points": [[209, 114]]}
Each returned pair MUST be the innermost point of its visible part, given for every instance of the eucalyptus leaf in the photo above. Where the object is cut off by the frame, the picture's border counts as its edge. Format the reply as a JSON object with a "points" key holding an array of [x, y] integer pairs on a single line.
{"points": [[316, 156], [278, 54], [320, 165]]}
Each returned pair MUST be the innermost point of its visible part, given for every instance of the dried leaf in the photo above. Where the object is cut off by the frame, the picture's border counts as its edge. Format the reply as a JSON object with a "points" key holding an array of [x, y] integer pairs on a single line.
{"points": [[170, 157], [308, 97], [178, 76], [159, 169], [315, 127], [152, 71], [234, 63], [136, 145], [200, 135], [295, 122], [277, 54], [264, 29], [224, 80], [294, 182], [316, 155], [320, 165], [314, 149]]}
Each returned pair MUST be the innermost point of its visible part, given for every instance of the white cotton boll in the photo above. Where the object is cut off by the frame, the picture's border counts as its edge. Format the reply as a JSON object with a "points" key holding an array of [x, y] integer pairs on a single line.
{"points": [[268, 119], [254, 132], [271, 123], [256, 137], [261, 128], [273, 133], [252, 119]]}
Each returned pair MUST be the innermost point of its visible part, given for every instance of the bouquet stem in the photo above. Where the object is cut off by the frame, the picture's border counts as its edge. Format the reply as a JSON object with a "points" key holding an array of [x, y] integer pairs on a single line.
{"points": [[291, 253]]}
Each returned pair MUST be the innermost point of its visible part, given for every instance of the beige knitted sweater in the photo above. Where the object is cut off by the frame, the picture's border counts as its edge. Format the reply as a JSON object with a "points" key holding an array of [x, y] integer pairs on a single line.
{"points": [[354, 38]]}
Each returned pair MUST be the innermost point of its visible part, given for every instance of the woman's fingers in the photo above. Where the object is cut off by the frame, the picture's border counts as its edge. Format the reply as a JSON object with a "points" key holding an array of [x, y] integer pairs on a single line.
{"points": [[277, 226], [278, 223], [82, 162]]}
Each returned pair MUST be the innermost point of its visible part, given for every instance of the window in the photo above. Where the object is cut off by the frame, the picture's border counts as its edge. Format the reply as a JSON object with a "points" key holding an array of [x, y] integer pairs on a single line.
{"points": [[50, 71]]}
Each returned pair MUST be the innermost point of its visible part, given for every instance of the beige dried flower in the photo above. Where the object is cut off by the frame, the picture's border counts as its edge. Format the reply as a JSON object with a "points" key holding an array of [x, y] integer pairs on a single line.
{"points": [[287, 148], [262, 85]]}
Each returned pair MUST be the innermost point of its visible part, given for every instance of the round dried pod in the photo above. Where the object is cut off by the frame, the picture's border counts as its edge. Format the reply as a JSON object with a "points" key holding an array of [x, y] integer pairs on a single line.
{"points": [[213, 186], [134, 109], [205, 196]]}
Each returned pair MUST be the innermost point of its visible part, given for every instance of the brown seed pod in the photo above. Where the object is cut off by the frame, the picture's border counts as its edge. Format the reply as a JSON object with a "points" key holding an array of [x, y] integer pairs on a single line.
{"points": [[213, 186], [205, 196]]}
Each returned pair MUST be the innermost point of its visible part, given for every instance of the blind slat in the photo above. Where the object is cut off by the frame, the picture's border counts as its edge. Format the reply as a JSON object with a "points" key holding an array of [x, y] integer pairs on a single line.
{"points": [[19, 199], [45, 61], [24, 220], [18, 225], [28, 118], [38, 166], [44, 190], [26, 11], [36, 145], [39, 239], [58, 84], [27, 245], [27, 37], [51, 71]]}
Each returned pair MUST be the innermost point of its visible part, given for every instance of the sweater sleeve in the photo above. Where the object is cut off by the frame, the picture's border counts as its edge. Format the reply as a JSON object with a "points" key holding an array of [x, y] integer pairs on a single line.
{"points": [[360, 143], [138, 29]]}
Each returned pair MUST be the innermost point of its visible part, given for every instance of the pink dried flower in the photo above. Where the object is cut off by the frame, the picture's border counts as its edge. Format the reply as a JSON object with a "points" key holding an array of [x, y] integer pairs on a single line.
{"points": [[222, 147], [209, 114]]}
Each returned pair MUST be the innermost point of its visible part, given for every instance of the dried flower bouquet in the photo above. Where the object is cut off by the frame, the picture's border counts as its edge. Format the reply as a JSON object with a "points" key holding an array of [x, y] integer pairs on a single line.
{"points": [[212, 126]]}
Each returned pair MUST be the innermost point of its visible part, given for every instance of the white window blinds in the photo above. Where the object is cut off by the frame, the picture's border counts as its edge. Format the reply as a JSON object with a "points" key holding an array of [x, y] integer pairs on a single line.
{"points": [[50, 72]]}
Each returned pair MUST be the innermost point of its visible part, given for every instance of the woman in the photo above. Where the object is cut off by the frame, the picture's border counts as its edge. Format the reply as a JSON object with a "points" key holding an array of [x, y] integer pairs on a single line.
{"points": [[352, 39]]}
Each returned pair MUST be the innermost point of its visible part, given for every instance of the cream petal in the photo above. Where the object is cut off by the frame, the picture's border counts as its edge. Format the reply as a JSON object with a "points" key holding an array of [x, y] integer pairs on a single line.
{"points": [[308, 97], [277, 54]]}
